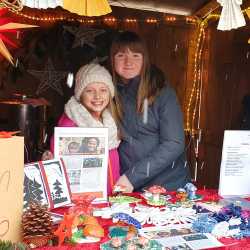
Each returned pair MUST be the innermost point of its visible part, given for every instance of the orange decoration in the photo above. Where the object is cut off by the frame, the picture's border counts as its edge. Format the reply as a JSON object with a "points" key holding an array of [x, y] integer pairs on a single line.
{"points": [[8, 134], [93, 231], [65, 228], [88, 220]]}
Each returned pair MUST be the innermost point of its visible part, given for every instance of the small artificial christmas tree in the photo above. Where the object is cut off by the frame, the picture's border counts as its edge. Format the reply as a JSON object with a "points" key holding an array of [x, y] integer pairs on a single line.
{"points": [[36, 225]]}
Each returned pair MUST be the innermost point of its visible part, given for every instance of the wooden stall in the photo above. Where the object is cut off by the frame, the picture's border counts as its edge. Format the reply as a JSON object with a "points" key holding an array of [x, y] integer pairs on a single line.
{"points": [[208, 68]]}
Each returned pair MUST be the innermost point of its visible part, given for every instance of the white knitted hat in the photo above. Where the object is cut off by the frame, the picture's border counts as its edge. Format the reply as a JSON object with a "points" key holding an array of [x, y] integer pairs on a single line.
{"points": [[90, 73]]}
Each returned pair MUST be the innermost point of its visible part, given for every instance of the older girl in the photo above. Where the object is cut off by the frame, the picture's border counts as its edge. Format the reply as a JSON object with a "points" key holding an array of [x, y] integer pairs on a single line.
{"points": [[152, 147]]}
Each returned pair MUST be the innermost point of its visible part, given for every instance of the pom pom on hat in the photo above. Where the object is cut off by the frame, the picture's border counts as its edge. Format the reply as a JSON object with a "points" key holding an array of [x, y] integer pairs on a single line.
{"points": [[90, 73]]}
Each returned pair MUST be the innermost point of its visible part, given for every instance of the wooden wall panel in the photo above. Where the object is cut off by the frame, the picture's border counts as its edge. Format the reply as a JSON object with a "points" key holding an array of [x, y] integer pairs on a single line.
{"points": [[172, 57], [227, 83]]}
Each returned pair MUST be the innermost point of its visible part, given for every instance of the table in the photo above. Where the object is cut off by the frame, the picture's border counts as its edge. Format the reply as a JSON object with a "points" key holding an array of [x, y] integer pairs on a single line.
{"points": [[208, 195]]}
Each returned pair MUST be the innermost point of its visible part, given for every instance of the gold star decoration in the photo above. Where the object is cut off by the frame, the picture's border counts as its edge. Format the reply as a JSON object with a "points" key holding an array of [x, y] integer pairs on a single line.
{"points": [[49, 78], [83, 35]]}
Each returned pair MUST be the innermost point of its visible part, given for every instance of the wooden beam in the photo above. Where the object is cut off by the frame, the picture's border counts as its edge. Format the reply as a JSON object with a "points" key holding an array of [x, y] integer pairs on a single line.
{"points": [[153, 5], [207, 9], [246, 4]]}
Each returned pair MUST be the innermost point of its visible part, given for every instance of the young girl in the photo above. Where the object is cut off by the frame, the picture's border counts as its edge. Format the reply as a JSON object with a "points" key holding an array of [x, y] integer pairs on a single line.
{"points": [[152, 147], [92, 106]]}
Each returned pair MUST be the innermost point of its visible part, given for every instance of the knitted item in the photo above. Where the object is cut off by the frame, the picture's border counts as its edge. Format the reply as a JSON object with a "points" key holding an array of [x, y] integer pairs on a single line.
{"points": [[91, 73], [80, 115]]}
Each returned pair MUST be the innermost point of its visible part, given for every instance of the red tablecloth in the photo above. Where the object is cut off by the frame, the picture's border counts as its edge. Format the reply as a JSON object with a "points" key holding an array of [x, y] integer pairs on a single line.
{"points": [[208, 195]]}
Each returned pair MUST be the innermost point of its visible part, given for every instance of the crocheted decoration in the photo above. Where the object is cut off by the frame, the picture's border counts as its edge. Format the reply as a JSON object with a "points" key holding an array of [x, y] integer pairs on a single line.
{"points": [[123, 199], [204, 224], [230, 221], [126, 218]]}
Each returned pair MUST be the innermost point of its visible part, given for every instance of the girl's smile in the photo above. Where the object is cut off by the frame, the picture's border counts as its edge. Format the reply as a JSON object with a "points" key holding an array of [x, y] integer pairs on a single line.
{"points": [[95, 97]]}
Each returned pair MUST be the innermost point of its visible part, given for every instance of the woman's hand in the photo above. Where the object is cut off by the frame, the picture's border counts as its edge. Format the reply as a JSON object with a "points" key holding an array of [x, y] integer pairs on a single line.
{"points": [[124, 181], [47, 155]]}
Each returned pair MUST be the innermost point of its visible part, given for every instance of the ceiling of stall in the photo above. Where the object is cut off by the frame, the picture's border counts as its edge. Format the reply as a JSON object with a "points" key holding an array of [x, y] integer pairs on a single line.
{"points": [[177, 7]]}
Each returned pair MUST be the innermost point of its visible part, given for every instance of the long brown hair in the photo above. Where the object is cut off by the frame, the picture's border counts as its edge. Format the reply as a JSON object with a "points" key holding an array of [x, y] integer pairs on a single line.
{"points": [[150, 83]]}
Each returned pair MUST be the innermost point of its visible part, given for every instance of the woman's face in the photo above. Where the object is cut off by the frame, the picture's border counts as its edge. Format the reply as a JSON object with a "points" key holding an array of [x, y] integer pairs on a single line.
{"points": [[92, 144], [128, 64], [95, 98]]}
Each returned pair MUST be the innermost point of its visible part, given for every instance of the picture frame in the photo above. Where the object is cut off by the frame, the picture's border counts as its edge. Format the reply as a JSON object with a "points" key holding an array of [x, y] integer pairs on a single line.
{"points": [[85, 154], [46, 182]]}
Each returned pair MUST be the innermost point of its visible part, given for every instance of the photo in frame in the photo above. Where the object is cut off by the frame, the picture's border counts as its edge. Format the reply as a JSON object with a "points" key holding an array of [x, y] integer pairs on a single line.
{"points": [[47, 183], [85, 154]]}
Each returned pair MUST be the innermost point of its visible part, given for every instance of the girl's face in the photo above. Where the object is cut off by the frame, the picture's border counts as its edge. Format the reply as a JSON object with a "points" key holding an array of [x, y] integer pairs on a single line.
{"points": [[128, 64], [95, 98]]}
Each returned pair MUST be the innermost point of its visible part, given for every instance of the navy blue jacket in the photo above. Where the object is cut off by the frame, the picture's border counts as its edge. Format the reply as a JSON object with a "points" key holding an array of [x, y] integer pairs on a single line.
{"points": [[152, 152]]}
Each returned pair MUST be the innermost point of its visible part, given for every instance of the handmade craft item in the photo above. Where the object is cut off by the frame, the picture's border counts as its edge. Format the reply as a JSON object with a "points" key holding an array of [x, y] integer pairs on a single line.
{"points": [[164, 216], [106, 212], [64, 231], [181, 194], [126, 218], [47, 183], [123, 199], [191, 192], [154, 195], [82, 204], [79, 229], [230, 221], [123, 232], [118, 232]]}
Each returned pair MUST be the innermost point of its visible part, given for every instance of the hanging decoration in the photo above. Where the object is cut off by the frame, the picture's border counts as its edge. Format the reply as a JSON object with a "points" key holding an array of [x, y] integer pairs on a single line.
{"points": [[231, 15], [7, 26], [83, 35], [87, 7], [49, 78], [42, 4], [83, 7], [14, 5]]}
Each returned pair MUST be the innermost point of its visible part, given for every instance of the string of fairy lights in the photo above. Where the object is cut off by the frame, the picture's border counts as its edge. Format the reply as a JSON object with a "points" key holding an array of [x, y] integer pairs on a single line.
{"points": [[193, 103], [107, 19], [195, 89]]}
